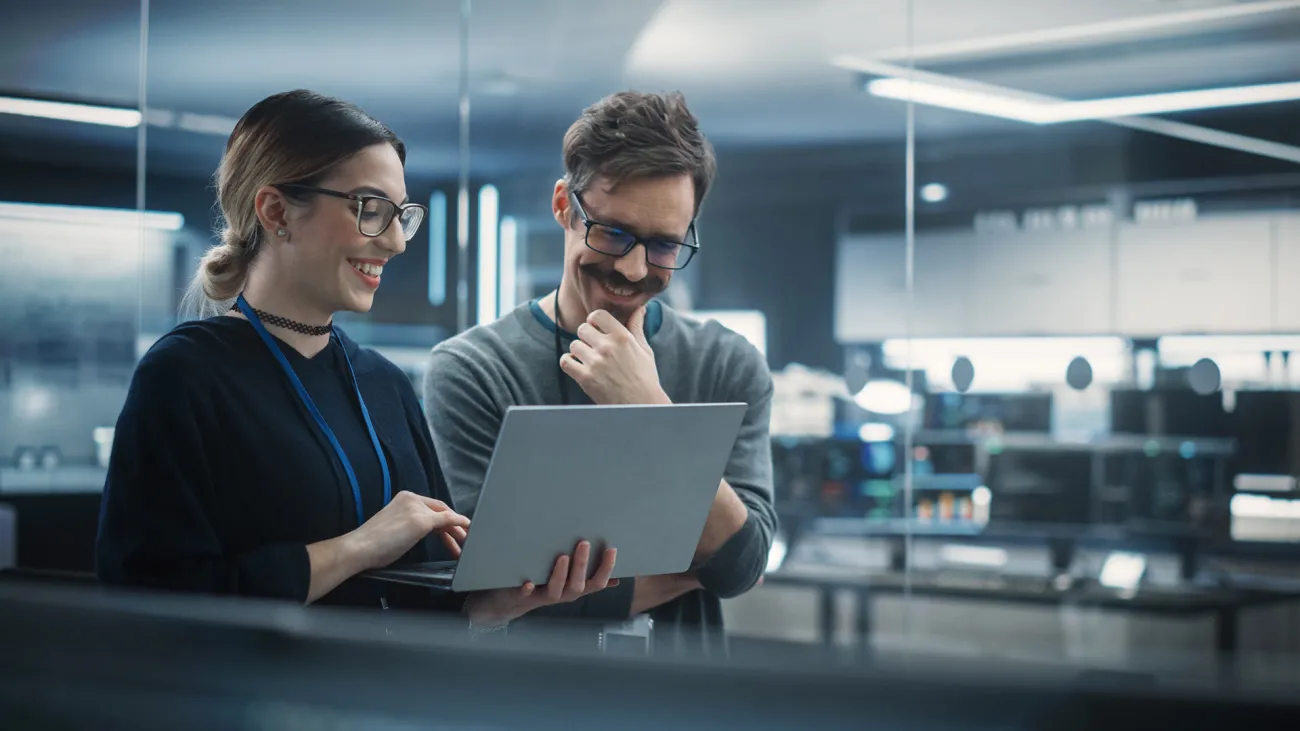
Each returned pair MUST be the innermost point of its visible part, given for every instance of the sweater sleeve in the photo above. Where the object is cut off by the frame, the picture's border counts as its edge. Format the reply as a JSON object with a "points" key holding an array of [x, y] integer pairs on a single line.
{"points": [[157, 526], [742, 560]]}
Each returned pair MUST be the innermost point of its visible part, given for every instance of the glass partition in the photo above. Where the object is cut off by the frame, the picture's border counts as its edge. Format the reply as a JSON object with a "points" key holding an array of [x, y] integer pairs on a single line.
{"points": [[1104, 196], [209, 64], [73, 285]]}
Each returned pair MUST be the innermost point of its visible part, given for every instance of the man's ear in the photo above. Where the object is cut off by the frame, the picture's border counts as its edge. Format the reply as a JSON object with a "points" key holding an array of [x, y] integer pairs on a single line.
{"points": [[561, 206], [272, 208]]}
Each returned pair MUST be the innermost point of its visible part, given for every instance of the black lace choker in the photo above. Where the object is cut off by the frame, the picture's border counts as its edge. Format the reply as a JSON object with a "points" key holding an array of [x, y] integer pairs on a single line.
{"points": [[288, 324]]}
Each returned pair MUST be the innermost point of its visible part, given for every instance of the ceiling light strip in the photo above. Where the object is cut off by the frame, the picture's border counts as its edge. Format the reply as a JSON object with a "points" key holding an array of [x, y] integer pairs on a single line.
{"points": [[1056, 112], [1004, 97], [1086, 33], [108, 116]]}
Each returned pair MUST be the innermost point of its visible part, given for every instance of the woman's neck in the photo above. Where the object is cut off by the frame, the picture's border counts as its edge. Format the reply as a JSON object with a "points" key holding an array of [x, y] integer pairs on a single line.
{"points": [[277, 298]]}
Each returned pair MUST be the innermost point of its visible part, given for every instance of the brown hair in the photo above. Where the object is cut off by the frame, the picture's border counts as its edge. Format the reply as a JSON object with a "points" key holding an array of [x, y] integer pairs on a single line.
{"points": [[632, 135], [292, 137]]}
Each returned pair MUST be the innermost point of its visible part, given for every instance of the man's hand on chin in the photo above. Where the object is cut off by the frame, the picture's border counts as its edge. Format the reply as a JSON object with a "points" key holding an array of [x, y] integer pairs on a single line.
{"points": [[614, 364]]}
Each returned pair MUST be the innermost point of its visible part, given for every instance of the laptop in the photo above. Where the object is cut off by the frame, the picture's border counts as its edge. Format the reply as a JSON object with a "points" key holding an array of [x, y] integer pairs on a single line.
{"points": [[640, 479]]}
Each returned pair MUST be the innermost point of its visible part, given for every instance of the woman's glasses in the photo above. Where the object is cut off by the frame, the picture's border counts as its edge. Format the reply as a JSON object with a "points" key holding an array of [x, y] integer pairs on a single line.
{"points": [[375, 213]]}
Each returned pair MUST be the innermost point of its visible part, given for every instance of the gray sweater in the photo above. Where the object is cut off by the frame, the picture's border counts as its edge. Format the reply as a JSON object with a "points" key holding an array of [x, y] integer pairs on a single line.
{"points": [[476, 375]]}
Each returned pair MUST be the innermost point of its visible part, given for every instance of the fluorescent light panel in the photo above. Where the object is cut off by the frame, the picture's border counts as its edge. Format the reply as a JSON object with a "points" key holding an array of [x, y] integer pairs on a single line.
{"points": [[973, 555], [776, 554], [487, 253], [934, 192], [1008, 363], [876, 432], [963, 100], [1200, 346], [1245, 482], [750, 324], [210, 124], [109, 116], [1156, 125], [1122, 570], [111, 217], [509, 263], [1262, 506], [897, 350], [993, 104], [885, 396]]}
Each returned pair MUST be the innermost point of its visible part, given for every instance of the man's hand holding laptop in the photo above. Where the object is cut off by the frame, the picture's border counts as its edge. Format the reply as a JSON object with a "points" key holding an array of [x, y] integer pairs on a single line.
{"points": [[568, 582]]}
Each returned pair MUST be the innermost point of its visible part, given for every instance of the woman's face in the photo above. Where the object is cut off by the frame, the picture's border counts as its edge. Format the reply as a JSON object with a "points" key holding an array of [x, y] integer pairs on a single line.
{"points": [[326, 256]]}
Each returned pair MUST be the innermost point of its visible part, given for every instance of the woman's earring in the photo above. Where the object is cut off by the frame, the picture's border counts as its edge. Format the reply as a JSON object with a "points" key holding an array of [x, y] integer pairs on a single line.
{"points": [[280, 232]]}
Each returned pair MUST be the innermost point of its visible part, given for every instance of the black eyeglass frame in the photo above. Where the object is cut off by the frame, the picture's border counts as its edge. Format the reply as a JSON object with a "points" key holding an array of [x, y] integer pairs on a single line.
{"points": [[644, 241], [398, 208]]}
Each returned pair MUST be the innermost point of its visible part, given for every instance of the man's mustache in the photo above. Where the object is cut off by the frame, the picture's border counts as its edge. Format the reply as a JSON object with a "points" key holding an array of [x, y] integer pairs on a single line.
{"points": [[650, 285]]}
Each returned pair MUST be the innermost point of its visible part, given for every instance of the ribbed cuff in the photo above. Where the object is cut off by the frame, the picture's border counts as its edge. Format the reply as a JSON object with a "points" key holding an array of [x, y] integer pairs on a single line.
{"points": [[738, 565]]}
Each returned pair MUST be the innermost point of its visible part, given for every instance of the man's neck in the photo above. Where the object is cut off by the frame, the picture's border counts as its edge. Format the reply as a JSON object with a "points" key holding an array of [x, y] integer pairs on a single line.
{"points": [[572, 313]]}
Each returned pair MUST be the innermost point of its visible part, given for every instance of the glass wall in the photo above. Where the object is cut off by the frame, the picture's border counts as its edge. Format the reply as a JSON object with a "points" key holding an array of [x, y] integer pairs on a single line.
{"points": [[1099, 333]]}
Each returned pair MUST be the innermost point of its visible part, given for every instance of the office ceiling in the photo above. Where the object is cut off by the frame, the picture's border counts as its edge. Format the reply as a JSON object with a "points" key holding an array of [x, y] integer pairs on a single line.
{"points": [[757, 72]]}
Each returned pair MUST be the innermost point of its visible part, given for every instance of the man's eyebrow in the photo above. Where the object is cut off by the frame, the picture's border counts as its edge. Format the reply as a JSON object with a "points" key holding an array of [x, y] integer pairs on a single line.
{"points": [[372, 190]]}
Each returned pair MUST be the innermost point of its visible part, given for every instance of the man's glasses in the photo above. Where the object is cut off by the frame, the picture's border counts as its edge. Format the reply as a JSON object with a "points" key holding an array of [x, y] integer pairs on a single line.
{"points": [[375, 213], [613, 241]]}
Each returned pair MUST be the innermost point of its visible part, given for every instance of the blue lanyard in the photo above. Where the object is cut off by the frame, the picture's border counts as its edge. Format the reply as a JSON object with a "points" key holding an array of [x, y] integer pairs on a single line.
{"points": [[315, 413]]}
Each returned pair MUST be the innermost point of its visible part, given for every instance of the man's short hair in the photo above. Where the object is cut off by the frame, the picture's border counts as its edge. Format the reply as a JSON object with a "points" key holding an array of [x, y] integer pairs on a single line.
{"points": [[631, 135]]}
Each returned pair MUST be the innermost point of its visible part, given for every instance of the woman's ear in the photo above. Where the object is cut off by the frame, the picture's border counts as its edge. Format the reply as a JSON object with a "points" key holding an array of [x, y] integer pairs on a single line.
{"points": [[272, 209]]}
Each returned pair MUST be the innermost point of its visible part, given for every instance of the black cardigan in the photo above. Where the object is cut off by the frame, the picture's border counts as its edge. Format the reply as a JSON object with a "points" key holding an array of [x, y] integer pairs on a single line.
{"points": [[219, 477]]}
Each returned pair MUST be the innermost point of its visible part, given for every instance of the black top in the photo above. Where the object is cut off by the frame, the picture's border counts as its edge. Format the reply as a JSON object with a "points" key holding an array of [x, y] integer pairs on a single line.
{"points": [[220, 478]]}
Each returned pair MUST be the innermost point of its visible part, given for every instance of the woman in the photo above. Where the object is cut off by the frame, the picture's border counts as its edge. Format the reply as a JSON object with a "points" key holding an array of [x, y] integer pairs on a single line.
{"points": [[260, 451]]}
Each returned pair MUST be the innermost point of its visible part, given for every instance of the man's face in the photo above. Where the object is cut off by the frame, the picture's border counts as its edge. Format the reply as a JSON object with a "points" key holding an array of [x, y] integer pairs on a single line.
{"points": [[650, 208]]}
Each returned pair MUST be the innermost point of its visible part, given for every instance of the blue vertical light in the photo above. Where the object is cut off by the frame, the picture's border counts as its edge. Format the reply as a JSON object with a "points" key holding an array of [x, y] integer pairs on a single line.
{"points": [[437, 248], [488, 255]]}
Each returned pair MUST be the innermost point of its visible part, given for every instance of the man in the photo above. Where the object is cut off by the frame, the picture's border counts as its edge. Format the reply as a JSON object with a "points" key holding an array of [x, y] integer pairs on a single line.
{"points": [[637, 169]]}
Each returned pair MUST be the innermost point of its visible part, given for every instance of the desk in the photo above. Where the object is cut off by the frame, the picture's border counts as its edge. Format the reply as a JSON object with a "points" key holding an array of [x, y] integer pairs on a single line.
{"points": [[1225, 603]]}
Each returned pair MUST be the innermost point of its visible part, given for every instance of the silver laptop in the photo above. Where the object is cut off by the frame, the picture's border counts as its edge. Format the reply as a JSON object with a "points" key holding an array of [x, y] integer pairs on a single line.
{"points": [[640, 479]]}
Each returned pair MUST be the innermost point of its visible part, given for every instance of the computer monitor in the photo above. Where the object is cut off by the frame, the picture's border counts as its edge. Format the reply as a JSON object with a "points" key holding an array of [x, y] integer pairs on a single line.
{"points": [[1265, 426], [1173, 488], [1172, 412], [857, 478], [1040, 487], [1018, 412]]}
